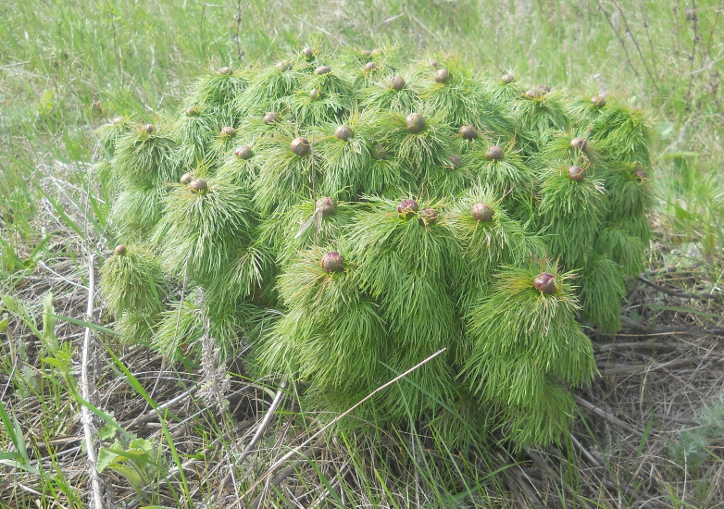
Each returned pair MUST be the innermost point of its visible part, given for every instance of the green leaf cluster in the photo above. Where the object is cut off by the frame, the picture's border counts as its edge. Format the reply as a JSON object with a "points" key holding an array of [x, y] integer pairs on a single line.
{"points": [[241, 257]]}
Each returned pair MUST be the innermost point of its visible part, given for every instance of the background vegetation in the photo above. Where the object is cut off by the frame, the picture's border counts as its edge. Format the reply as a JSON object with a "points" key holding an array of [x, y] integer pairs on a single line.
{"points": [[67, 67]]}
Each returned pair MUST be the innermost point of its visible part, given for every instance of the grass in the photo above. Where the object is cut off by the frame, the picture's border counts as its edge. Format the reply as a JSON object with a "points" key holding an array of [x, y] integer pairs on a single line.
{"points": [[68, 67]]}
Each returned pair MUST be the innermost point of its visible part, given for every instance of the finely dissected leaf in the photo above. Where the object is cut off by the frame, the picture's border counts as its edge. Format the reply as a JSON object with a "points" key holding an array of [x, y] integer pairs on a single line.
{"points": [[307, 109], [147, 159], [237, 171], [559, 151], [381, 96], [346, 163], [539, 117], [419, 153], [504, 93], [304, 227], [285, 178], [508, 178], [218, 90], [133, 280], [240, 258], [332, 335], [200, 233], [571, 213], [181, 327], [624, 134], [136, 211], [462, 100], [626, 250], [333, 83], [602, 290], [487, 244], [524, 340], [110, 134], [385, 242], [266, 88], [628, 194]]}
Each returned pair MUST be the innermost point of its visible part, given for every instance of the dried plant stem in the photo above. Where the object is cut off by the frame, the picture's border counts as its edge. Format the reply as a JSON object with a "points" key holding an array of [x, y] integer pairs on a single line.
{"points": [[296, 450], [278, 398], [156, 411], [87, 389], [541, 464], [643, 329], [694, 40], [610, 418], [621, 41], [638, 48], [239, 53], [265, 423], [713, 28], [291, 469], [626, 369], [585, 452]]}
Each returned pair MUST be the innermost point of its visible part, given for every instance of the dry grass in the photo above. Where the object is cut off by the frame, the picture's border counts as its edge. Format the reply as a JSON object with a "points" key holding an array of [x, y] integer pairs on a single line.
{"points": [[662, 377], [659, 383]]}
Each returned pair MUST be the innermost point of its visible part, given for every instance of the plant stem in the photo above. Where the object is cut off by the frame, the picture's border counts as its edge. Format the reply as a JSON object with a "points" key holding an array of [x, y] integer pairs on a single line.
{"points": [[87, 390]]}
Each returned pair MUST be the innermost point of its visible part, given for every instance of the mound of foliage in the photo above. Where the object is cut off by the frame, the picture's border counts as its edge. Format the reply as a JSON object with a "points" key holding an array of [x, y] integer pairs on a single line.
{"points": [[341, 218]]}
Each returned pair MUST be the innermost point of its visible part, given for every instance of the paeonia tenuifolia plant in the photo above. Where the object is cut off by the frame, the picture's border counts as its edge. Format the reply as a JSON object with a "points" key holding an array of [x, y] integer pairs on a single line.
{"points": [[342, 218]]}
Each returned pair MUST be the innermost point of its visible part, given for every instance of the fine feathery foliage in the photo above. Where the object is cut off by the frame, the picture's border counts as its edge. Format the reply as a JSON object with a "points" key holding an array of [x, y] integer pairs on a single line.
{"points": [[347, 217], [518, 366], [132, 280]]}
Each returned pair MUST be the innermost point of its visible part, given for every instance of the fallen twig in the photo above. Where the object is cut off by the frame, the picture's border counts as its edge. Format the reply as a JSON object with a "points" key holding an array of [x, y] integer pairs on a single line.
{"points": [[259, 433], [155, 412], [678, 293], [633, 325], [540, 463], [629, 369], [635, 345], [585, 452], [610, 418], [87, 390], [276, 481], [336, 420]]}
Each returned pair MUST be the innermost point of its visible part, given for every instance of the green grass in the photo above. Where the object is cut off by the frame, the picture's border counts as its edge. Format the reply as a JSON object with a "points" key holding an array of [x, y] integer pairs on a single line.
{"points": [[67, 67]]}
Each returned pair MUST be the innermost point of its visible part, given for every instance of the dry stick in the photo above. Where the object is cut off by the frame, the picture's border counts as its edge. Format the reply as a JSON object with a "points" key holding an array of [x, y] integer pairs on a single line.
{"points": [[239, 53], [85, 386], [514, 474], [628, 31], [675, 9], [695, 25], [624, 487], [276, 481], [713, 26], [338, 418], [678, 293], [155, 412], [203, 46], [631, 324], [653, 52], [516, 494], [257, 436], [340, 475], [626, 369], [175, 334], [540, 463], [416, 456], [621, 41], [636, 345], [610, 418], [584, 451]]}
